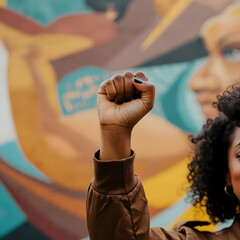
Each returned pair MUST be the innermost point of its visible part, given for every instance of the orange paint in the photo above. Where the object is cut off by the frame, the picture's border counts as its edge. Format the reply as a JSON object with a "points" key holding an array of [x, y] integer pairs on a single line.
{"points": [[66, 203]]}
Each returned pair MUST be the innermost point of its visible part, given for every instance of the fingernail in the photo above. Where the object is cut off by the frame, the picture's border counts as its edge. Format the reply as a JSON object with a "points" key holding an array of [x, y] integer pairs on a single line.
{"points": [[137, 80]]}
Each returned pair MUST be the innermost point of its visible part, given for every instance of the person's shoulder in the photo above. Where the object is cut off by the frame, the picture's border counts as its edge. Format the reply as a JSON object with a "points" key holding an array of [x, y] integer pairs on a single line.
{"points": [[189, 230], [185, 230], [189, 224]]}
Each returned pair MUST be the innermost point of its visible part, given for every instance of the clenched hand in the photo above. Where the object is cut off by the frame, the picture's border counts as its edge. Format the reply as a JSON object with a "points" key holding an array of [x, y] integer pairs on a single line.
{"points": [[122, 102]]}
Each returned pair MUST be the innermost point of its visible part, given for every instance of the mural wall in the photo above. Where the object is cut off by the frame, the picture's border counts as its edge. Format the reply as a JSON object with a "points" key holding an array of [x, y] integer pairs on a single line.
{"points": [[54, 55]]}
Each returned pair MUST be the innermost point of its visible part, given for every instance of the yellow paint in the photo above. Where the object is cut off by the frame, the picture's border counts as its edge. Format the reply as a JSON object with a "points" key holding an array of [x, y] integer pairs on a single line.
{"points": [[162, 7], [19, 77], [232, 10], [213, 29], [195, 214], [25, 106], [3, 3], [235, 12], [165, 22], [49, 79], [59, 168], [51, 46], [168, 186]]}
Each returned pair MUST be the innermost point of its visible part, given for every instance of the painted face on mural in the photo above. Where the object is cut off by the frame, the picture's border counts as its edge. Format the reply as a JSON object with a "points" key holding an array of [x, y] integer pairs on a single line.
{"points": [[221, 36]]}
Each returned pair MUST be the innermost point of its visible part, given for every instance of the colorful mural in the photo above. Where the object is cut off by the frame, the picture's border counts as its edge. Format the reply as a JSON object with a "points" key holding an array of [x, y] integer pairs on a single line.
{"points": [[54, 55]]}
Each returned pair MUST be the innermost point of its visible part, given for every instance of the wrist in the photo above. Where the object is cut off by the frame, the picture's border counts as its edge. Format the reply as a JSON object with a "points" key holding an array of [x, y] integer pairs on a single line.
{"points": [[115, 142]]}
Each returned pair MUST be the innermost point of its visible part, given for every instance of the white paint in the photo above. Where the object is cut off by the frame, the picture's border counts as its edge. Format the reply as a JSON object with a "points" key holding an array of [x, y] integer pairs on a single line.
{"points": [[7, 129]]}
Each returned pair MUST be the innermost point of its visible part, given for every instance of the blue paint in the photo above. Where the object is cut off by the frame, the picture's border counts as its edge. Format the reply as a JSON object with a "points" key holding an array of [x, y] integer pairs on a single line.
{"points": [[171, 214], [163, 77], [77, 91], [179, 103], [188, 108], [11, 215], [11, 153], [225, 224], [46, 11]]}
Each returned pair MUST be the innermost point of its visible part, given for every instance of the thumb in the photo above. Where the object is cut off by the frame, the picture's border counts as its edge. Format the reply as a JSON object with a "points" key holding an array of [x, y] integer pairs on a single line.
{"points": [[147, 90]]}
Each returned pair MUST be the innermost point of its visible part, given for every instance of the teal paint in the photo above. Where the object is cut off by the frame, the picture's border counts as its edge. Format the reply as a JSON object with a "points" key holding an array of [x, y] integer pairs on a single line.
{"points": [[78, 90], [163, 77], [11, 153], [179, 103], [188, 105], [11, 215], [46, 11]]}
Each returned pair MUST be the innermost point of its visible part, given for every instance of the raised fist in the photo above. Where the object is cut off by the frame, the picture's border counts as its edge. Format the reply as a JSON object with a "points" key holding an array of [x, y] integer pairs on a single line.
{"points": [[124, 100]]}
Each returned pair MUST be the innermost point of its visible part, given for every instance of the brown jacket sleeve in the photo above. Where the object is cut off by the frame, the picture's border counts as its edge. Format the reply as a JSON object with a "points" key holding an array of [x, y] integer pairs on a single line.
{"points": [[117, 208]]}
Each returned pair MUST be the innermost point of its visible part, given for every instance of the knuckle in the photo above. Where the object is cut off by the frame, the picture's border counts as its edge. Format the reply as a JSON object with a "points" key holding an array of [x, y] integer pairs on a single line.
{"points": [[128, 75], [108, 83], [117, 77], [140, 74], [105, 83]]}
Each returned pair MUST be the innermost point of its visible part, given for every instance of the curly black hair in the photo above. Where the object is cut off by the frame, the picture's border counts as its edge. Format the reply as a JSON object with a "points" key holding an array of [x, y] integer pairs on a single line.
{"points": [[209, 164]]}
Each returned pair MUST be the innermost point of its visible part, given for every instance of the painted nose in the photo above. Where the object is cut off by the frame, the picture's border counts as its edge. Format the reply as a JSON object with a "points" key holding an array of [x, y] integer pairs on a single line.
{"points": [[203, 79], [199, 83]]}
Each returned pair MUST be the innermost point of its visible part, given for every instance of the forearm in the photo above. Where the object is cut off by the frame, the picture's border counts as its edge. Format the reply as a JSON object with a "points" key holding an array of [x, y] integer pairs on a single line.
{"points": [[115, 143], [119, 217], [116, 203], [36, 75]]}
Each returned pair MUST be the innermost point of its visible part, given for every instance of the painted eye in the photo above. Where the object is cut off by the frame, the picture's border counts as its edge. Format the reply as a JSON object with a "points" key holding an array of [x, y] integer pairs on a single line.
{"points": [[231, 54]]}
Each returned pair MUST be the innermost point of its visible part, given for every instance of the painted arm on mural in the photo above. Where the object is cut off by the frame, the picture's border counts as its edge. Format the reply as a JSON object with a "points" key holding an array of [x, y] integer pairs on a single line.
{"points": [[50, 121]]}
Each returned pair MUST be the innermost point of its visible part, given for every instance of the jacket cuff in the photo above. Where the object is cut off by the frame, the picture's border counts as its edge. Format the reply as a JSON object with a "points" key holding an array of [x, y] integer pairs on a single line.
{"points": [[114, 176]]}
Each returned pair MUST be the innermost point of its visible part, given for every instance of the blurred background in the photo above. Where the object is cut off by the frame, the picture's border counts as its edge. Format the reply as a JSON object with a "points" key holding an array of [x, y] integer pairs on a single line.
{"points": [[54, 55]]}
